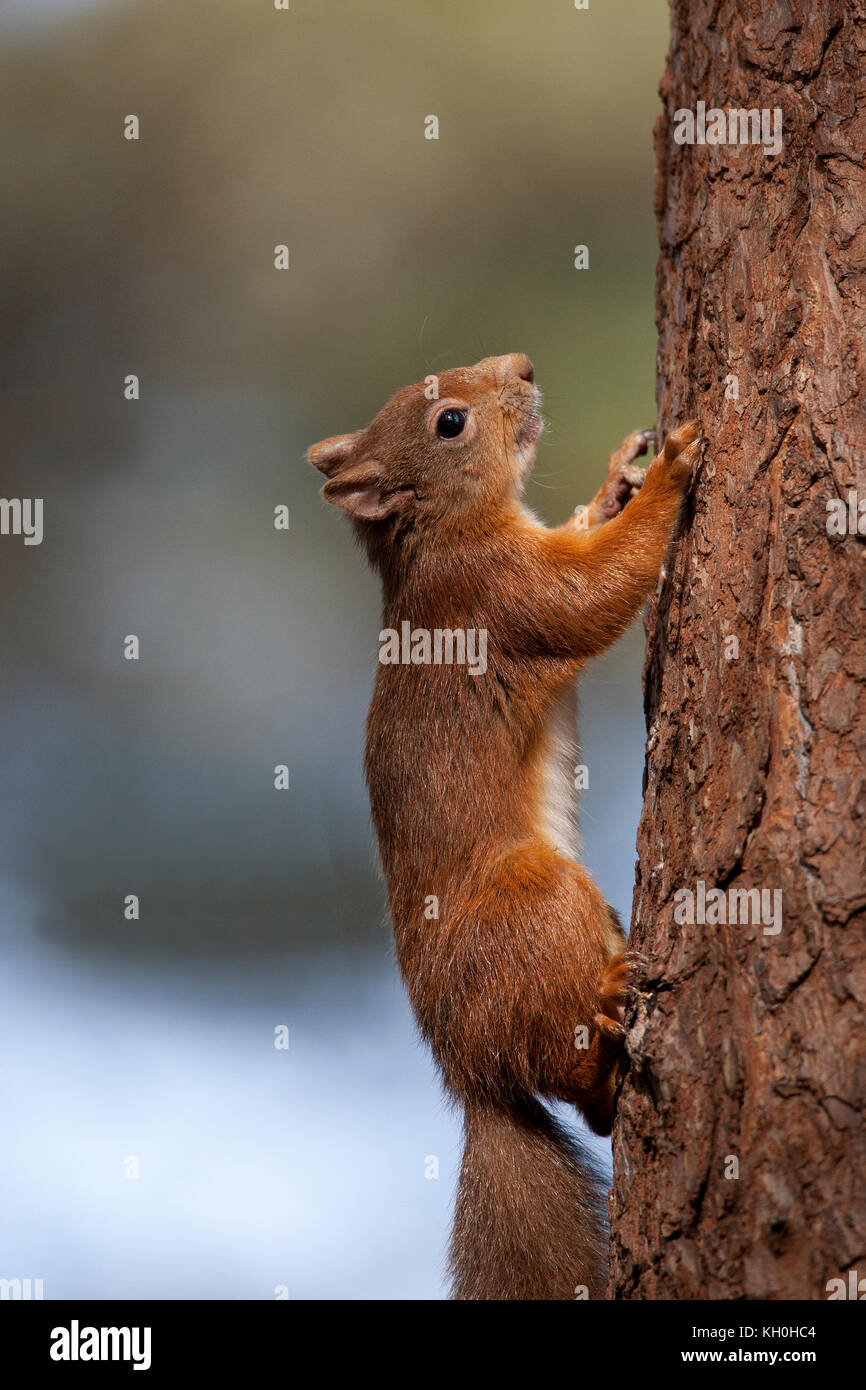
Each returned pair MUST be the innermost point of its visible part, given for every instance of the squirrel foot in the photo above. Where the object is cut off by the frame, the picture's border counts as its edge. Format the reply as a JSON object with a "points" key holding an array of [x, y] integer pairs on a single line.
{"points": [[618, 983], [624, 479]]}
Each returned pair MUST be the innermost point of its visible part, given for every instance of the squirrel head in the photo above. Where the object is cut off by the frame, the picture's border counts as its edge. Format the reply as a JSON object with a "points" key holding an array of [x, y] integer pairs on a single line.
{"points": [[449, 449]]}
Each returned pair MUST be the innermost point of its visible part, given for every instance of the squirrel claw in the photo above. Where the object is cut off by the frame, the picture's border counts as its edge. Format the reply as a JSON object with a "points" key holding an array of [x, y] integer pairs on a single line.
{"points": [[609, 1027], [638, 961]]}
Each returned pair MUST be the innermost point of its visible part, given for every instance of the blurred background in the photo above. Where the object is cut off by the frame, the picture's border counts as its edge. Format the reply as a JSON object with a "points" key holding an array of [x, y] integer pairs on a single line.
{"points": [[148, 1046]]}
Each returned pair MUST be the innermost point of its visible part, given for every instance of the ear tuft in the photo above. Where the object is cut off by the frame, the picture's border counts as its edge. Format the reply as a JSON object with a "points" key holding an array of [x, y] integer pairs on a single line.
{"points": [[330, 454]]}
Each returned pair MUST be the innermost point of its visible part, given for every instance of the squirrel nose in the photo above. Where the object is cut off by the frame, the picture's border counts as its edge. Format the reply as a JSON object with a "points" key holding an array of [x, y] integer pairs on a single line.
{"points": [[513, 364], [525, 371]]}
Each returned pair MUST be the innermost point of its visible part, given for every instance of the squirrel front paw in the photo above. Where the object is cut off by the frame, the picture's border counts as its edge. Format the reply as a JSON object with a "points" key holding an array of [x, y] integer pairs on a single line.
{"points": [[632, 447], [679, 457], [624, 480], [616, 987]]}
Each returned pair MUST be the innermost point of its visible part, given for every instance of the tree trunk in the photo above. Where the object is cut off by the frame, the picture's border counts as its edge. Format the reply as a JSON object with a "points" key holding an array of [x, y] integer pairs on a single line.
{"points": [[739, 1144]]}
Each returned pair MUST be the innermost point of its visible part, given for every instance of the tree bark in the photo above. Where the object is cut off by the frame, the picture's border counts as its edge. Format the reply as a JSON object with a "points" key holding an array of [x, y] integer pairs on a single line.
{"points": [[739, 1148]]}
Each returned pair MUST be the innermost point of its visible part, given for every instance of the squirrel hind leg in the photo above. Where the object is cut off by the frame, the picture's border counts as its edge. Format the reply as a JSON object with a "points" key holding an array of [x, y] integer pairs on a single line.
{"points": [[593, 1079], [595, 1076], [598, 1107]]}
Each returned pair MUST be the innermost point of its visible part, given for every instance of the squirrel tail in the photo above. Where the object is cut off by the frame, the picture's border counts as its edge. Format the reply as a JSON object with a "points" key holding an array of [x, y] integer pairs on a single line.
{"points": [[530, 1220]]}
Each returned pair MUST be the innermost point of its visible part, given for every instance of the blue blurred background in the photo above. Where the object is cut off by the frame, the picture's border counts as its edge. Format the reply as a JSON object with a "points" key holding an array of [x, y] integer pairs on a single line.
{"points": [[149, 1045]]}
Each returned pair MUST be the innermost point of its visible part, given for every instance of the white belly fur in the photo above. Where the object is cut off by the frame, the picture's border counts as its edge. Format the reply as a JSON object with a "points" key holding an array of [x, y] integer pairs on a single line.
{"points": [[559, 798], [558, 810]]}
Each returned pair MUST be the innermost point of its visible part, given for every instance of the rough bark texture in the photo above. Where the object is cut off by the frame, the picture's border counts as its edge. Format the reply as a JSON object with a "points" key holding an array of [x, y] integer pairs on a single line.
{"points": [[747, 1044]]}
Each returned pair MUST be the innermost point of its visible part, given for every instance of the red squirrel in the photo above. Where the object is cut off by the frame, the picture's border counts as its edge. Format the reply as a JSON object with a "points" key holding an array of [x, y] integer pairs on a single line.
{"points": [[514, 963]]}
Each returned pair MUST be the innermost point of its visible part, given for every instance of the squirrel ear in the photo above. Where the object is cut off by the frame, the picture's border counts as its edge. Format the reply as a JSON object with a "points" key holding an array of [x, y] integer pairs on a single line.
{"points": [[360, 491], [330, 454]]}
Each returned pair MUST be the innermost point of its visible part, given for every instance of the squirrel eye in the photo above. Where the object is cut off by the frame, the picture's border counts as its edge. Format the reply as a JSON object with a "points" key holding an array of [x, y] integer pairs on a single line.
{"points": [[450, 423]]}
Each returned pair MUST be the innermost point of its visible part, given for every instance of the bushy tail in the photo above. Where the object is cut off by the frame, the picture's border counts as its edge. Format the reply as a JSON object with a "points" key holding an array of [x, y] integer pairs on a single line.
{"points": [[530, 1221]]}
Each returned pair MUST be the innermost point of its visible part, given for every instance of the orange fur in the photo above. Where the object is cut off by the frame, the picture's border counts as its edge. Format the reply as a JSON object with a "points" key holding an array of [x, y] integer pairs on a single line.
{"points": [[524, 951]]}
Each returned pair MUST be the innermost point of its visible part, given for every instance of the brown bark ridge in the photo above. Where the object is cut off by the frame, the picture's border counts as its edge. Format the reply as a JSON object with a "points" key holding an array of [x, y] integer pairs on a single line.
{"points": [[746, 1045]]}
